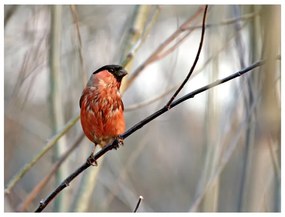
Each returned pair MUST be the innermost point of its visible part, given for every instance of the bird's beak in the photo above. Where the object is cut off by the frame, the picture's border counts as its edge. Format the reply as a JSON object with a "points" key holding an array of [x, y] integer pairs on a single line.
{"points": [[122, 73]]}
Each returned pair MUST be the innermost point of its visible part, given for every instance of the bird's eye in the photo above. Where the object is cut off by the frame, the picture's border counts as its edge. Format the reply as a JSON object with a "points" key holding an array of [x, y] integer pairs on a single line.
{"points": [[111, 70]]}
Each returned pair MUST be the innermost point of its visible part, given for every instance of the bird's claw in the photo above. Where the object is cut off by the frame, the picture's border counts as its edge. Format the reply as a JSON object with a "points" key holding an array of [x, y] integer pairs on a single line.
{"points": [[91, 161], [118, 141]]}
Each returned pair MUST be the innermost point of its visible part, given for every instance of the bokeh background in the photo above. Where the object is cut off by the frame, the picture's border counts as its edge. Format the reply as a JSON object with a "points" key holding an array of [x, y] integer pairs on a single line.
{"points": [[219, 151]]}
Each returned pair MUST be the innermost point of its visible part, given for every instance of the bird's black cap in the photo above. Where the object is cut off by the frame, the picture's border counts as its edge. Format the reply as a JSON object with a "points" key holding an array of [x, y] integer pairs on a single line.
{"points": [[118, 71]]}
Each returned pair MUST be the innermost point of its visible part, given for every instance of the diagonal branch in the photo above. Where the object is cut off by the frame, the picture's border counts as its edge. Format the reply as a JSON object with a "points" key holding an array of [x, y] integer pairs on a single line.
{"points": [[32, 195], [51, 143], [139, 125]]}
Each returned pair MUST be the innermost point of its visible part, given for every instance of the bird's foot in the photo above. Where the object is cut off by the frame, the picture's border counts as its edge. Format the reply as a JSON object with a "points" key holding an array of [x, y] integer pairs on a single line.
{"points": [[91, 161], [118, 141]]}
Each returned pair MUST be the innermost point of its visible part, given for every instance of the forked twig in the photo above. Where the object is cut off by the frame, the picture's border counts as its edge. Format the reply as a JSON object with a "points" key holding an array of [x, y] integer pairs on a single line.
{"points": [[195, 61]]}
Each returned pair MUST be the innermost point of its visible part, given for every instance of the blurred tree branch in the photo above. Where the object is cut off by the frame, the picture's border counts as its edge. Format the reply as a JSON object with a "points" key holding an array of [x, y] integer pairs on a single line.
{"points": [[52, 141], [9, 13], [137, 34], [56, 95], [32, 195]]}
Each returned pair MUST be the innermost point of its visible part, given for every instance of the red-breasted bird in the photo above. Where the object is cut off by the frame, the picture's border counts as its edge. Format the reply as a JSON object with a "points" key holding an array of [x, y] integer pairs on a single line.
{"points": [[101, 106]]}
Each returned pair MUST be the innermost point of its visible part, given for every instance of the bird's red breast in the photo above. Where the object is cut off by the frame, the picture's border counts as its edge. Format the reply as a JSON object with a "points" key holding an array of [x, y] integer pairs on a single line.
{"points": [[101, 106]]}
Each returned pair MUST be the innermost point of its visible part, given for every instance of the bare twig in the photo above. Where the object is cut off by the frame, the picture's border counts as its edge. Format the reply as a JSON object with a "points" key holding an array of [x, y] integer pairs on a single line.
{"points": [[136, 127], [195, 61], [138, 203]]}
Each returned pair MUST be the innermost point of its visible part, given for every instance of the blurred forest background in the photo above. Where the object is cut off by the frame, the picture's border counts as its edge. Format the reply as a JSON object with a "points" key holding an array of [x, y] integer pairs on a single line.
{"points": [[219, 151]]}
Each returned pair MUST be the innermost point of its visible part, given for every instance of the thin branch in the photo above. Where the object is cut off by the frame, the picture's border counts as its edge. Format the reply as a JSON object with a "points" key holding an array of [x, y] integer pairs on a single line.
{"points": [[195, 61], [138, 203], [136, 127]]}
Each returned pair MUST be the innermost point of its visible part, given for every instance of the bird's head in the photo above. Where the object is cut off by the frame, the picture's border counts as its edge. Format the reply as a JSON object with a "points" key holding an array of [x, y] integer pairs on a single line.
{"points": [[107, 75]]}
